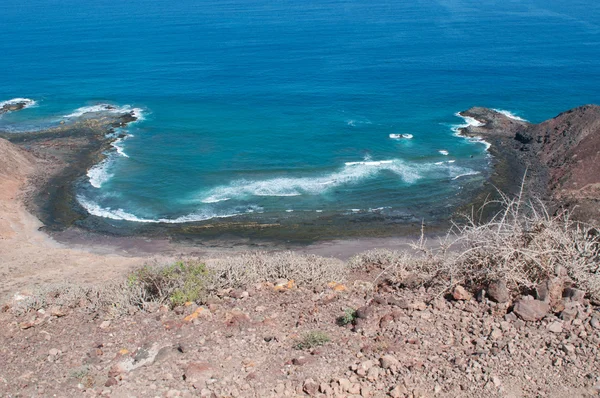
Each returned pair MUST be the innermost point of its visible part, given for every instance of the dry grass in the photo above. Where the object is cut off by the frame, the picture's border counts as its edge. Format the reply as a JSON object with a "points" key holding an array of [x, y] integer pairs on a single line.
{"points": [[523, 245], [250, 268], [188, 280]]}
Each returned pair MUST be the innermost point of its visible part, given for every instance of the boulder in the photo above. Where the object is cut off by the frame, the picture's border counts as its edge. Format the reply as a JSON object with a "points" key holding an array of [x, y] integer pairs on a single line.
{"points": [[550, 291], [531, 310], [498, 292]]}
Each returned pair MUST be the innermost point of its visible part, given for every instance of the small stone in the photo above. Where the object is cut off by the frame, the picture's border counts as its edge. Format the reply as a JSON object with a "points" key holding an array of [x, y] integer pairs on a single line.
{"points": [[105, 325], [498, 292], [461, 294], [595, 322], [418, 305], [326, 389], [57, 311], [550, 291], [496, 381], [300, 361], [555, 327], [197, 373], [345, 384], [373, 373], [496, 334], [354, 389], [363, 368], [53, 352], [574, 294], [568, 314], [26, 325], [310, 387], [388, 361], [111, 382], [510, 317], [365, 312], [531, 310], [398, 392]]}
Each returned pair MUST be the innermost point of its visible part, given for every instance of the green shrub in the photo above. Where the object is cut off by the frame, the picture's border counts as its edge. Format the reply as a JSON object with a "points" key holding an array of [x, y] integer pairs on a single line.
{"points": [[348, 317], [312, 340], [176, 283]]}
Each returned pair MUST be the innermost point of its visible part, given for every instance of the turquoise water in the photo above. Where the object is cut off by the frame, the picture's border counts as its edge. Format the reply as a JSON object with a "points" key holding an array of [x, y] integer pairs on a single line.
{"points": [[286, 108]]}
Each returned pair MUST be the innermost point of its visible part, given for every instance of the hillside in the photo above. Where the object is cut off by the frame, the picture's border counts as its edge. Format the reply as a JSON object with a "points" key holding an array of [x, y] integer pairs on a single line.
{"points": [[563, 152]]}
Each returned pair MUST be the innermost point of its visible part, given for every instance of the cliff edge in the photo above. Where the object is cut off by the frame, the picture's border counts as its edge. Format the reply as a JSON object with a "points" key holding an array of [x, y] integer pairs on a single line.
{"points": [[563, 154]]}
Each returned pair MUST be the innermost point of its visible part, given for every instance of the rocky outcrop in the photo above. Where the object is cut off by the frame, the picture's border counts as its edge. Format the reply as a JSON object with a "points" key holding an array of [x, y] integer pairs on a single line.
{"points": [[563, 151], [14, 105]]}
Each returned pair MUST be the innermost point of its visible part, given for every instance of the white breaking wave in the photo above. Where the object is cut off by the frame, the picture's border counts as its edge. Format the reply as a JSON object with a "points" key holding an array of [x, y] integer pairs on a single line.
{"points": [[369, 163], [353, 123], [352, 172], [469, 173], [138, 113], [28, 102], [399, 136], [469, 121], [355, 172], [117, 144], [99, 174], [443, 152], [119, 214], [510, 115]]}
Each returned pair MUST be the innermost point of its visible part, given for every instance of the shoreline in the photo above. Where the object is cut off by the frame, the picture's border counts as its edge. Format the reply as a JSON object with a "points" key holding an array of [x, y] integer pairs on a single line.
{"points": [[74, 148]]}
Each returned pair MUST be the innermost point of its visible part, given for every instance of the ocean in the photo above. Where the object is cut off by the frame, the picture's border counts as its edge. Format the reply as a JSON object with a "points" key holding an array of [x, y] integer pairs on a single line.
{"points": [[288, 109]]}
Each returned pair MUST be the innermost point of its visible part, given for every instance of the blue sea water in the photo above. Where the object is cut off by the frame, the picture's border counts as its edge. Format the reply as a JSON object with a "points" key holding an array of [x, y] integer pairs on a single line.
{"points": [[286, 107]]}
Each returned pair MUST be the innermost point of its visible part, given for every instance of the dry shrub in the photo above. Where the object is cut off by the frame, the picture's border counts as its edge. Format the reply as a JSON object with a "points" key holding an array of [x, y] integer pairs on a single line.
{"points": [[419, 267], [188, 280], [67, 295], [524, 245], [249, 268]]}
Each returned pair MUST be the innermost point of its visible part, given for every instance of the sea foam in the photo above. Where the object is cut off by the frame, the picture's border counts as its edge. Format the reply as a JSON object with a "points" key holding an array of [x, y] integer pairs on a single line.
{"points": [[469, 121], [510, 115], [28, 102], [351, 173], [98, 174], [138, 113], [95, 209]]}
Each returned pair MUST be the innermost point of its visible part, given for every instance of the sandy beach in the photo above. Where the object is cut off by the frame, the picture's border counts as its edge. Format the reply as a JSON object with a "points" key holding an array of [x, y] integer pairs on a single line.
{"points": [[29, 257]]}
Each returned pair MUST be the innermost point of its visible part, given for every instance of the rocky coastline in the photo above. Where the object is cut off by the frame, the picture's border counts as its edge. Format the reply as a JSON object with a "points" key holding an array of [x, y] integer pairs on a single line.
{"points": [[559, 158], [518, 148]]}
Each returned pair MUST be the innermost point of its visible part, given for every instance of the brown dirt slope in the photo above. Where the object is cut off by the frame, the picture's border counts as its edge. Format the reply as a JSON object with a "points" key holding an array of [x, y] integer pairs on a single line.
{"points": [[29, 258], [14, 162]]}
